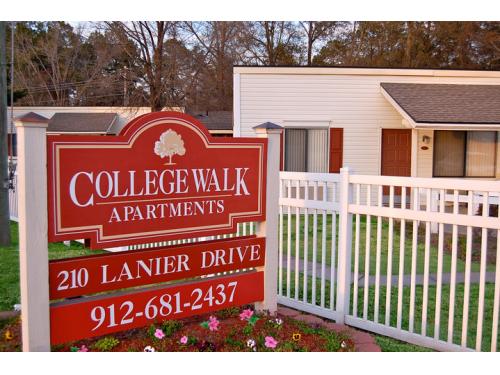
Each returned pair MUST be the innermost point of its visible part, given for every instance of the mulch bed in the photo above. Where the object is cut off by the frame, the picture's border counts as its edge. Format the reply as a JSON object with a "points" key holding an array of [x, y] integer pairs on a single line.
{"points": [[291, 330]]}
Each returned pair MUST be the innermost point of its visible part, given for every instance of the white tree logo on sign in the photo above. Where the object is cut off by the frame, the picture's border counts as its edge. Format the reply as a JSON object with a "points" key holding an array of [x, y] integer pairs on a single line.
{"points": [[170, 144]]}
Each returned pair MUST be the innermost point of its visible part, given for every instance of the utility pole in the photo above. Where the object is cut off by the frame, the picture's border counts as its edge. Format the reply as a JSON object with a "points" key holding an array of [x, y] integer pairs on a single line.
{"points": [[125, 88], [4, 174]]}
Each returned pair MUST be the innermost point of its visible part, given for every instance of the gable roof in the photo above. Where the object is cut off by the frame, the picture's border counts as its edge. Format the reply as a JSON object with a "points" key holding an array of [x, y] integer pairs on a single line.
{"points": [[81, 122], [446, 103], [216, 120]]}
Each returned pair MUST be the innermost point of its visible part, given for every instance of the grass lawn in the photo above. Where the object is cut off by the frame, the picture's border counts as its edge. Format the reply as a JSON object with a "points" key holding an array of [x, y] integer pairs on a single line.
{"points": [[9, 266], [388, 344], [9, 294], [433, 254]]}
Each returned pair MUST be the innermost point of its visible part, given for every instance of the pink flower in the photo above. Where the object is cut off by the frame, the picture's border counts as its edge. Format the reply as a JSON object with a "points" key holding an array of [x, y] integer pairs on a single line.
{"points": [[159, 334], [270, 342], [246, 314], [213, 323], [83, 348], [184, 340]]}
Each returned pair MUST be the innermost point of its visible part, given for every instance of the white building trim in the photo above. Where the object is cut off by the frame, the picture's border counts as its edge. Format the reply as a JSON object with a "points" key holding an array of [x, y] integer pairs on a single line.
{"points": [[236, 105], [366, 71]]}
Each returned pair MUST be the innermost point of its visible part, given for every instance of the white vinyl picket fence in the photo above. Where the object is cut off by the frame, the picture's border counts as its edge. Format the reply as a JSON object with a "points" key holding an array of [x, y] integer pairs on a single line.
{"points": [[360, 250], [307, 202], [13, 208], [415, 259]]}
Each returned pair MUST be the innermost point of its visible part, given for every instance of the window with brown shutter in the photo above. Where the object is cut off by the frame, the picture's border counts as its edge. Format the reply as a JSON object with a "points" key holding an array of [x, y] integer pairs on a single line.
{"points": [[306, 150], [336, 149]]}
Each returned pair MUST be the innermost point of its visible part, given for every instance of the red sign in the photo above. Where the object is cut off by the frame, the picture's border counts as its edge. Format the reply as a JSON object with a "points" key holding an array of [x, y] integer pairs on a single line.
{"points": [[95, 316], [98, 273], [163, 177]]}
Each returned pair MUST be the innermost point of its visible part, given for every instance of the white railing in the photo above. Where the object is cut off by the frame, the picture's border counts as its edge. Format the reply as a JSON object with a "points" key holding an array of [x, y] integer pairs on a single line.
{"points": [[396, 277], [422, 261], [242, 229], [13, 208], [308, 201]]}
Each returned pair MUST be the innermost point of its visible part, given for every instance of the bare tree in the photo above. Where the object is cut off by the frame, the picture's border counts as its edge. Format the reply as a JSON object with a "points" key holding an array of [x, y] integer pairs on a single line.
{"points": [[44, 55], [271, 43], [489, 44], [219, 41], [149, 38], [56, 66], [190, 63], [316, 31]]}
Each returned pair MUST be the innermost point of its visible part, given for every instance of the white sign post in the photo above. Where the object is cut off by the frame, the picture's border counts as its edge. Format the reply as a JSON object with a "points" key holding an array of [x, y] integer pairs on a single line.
{"points": [[269, 228], [33, 245]]}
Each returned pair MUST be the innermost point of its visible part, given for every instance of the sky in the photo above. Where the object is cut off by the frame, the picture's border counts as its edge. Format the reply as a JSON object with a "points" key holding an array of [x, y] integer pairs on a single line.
{"points": [[201, 10]]}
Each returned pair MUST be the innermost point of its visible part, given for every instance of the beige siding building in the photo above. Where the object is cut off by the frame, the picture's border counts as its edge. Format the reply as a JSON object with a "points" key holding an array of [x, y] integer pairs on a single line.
{"points": [[446, 126]]}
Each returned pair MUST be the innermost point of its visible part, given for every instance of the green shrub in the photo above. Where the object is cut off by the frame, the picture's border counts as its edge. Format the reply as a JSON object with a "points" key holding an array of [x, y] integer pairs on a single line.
{"points": [[170, 327], [106, 344], [228, 313], [290, 346], [236, 344], [151, 331], [247, 329]]}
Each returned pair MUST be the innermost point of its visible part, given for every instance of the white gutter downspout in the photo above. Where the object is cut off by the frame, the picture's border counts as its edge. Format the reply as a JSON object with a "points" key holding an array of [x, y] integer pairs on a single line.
{"points": [[236, 105]]}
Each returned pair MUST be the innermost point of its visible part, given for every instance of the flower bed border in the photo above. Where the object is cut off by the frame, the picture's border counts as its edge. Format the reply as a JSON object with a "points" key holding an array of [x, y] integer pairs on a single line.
{"points": [[363, 341]]}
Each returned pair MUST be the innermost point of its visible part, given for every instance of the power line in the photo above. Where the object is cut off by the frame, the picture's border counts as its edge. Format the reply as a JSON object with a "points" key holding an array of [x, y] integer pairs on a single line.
{"points": [[61, 84], [34, 89], [91, 97], [76, 83]]}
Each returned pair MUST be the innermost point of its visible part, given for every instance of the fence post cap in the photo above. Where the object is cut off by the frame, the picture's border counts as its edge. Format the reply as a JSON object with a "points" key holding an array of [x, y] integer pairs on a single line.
{"points": [[31, 119], [268, 127]]}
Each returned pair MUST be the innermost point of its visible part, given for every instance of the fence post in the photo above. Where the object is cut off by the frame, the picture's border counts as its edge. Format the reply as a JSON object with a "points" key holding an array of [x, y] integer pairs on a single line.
{"points": [[435, 201], [33, 245], [13, 199], [345, 244], [269, 228]]}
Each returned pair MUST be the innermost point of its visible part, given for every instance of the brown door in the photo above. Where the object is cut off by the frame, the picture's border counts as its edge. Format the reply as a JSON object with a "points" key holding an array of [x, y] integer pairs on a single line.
{"points": [[336, 149], [396, 154]]}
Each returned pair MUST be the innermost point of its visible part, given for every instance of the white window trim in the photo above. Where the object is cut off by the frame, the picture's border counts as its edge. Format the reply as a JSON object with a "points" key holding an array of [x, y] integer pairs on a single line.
{"points": [[327, 128]]}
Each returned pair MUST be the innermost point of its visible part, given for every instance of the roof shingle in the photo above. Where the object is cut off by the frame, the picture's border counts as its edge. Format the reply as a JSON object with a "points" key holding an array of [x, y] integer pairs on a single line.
{"points": [[216, 120], [81, 122], [447, 103]]}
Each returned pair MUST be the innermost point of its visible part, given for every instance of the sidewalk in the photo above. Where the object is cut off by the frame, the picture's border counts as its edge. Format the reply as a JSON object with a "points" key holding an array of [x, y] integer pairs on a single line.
{"points": [[419, 279]]}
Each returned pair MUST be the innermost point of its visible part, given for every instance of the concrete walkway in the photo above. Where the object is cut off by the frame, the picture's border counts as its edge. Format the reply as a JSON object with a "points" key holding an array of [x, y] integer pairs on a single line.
{"points": [[419, 279], [363, 341]]}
